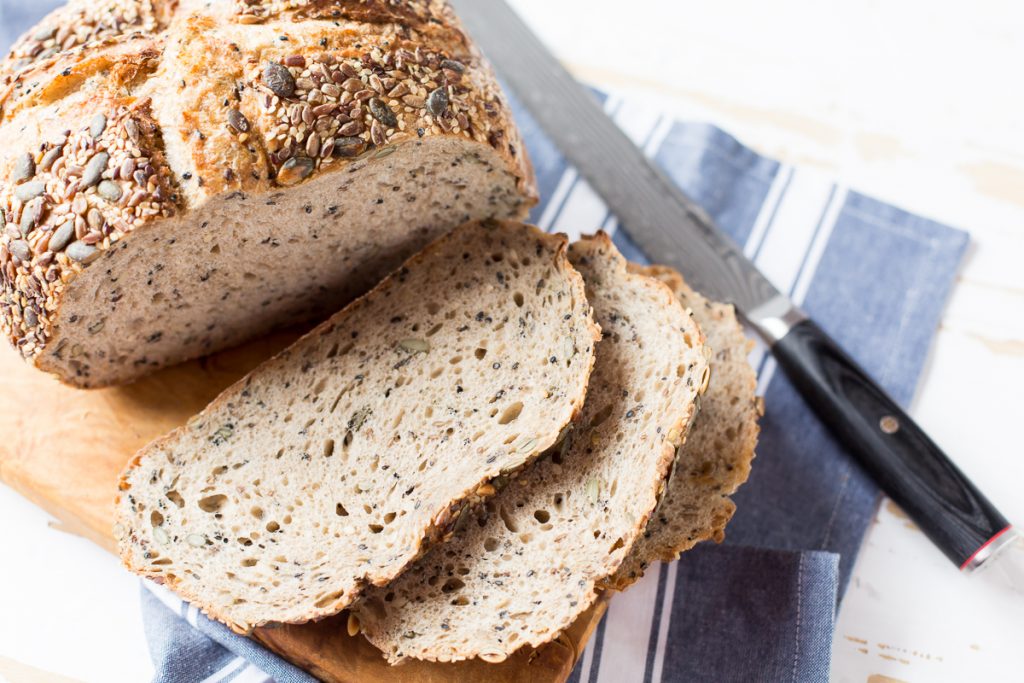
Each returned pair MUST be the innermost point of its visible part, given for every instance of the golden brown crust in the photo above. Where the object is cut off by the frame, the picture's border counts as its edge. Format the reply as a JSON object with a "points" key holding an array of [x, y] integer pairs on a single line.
{"points": [[377, 74]]}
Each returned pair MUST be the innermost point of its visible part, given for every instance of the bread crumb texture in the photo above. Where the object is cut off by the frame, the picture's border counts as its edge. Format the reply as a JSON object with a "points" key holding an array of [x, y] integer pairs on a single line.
{"points": [[338, 135], [331, 467], [522, 567]]}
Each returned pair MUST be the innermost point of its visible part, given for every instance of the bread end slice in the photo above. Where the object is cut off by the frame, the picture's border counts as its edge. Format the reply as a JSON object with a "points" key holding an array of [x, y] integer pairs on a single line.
{"points": [[717, 455]]}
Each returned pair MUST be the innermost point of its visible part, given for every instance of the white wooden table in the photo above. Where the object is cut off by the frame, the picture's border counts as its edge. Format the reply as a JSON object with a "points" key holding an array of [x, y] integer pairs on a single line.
{"points": [[914, 101]]}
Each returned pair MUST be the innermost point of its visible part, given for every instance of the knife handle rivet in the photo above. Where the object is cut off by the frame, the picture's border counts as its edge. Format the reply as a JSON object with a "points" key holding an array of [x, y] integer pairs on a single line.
{"points": [[889, 424]]}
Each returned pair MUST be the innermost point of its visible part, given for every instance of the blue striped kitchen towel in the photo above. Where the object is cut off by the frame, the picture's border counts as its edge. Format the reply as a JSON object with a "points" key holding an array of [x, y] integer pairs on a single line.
{"points": [[762, 606]]}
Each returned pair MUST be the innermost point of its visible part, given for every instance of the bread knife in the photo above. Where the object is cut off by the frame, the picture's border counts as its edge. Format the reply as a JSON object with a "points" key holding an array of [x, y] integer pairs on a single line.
{"points": [[672, 229]]}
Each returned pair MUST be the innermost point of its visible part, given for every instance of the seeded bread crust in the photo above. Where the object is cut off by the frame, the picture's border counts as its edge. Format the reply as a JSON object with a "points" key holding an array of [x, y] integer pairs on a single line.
{"points": [[117, 116], [716, 458], [299, 486], [521, 569]]}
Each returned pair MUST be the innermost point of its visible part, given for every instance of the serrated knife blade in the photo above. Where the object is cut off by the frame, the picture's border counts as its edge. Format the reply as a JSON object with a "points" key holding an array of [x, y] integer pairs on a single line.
{"points": [[673, 230]]}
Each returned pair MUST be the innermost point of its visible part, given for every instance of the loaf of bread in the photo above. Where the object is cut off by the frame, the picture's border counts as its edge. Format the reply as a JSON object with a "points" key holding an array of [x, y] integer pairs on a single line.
{"points": [[523, 567], [177, 177], [717, 455], [331, 466]]}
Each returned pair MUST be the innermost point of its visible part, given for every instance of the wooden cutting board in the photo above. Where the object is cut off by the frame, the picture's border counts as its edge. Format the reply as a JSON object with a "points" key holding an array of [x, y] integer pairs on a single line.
{"points": [[63, 448]]}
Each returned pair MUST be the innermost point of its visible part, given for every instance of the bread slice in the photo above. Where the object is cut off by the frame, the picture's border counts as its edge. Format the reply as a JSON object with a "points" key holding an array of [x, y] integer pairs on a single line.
{"points": [[529, 562], [717, 455], [331, 466], [178, 177]]}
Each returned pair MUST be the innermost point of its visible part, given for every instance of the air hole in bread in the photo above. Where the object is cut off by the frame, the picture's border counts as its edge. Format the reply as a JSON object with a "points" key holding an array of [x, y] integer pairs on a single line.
{"points": [[256, 512], [480, 353], [451, 585], [490, 544], [542, 516], [518, 298], [328, 448], [212, 503], [156, 518], [176, 498], [340, 510], [249, 562], [601, 416], [273, 526], [435, 329], [376, 528]]}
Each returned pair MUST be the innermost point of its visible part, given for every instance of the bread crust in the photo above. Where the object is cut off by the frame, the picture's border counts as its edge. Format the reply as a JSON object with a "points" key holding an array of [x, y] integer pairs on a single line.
{"points": [[361, 79]]}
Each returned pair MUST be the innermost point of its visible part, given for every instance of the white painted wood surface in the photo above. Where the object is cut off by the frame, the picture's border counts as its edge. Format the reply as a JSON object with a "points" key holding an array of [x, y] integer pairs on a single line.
{"points": [[913, 101]]}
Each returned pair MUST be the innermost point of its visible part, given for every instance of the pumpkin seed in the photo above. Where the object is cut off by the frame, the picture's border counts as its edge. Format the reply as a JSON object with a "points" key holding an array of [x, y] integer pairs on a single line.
{"points": [[415, 345], [29, 191], [97, 125], [30, 216], [82, 252], [109, 190], [527, 445], [62, 236], [94, 169], [593, 489], [24, 168], [382, 112], [295, 170], [705, 379], [196, 540], [279, 79], [437, 102], [20, 250]]}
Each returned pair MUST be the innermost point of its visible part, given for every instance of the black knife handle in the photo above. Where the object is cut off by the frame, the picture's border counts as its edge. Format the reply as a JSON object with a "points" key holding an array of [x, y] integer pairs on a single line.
{"points": [[905, 463]]}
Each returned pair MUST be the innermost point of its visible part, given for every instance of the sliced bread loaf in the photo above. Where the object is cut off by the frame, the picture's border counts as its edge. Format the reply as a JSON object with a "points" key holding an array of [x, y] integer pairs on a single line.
{"points": [[529, 562], [331, 466], [717, 454], [178, 177]]}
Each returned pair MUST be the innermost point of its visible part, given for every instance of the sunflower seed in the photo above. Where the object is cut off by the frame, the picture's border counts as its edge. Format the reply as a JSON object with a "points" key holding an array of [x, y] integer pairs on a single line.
{"points": [[82, 252], [94, 169], [20, 250], [24, 168], [97, 125], [382, 112], [196, 540], [295, 60], [377, 134], [415, 345], [94, 218], [352, 85], [437, 102], [29, 191], [31, 319], [237, 120], [62, 236], [51, 156], [295, 170], [593, 489], [351, 128], [44, 33], [160, 536], [313, 146], [331, 90], [349, 146], [109, 190], [279, 80]]}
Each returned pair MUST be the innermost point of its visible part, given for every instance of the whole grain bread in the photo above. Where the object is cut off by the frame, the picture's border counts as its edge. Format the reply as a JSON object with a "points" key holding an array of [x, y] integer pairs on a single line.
{"points": [[716, 458], [524, 566], [177, 177], [331, 466]]}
